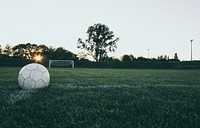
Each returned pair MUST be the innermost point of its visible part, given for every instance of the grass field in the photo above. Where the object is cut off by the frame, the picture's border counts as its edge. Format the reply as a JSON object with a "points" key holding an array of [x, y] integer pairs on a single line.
{"points": [[103, 98]]}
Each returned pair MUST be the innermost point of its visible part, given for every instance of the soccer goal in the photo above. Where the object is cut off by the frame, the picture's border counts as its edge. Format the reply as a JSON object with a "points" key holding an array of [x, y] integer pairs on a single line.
{"points": [[61, 63]]}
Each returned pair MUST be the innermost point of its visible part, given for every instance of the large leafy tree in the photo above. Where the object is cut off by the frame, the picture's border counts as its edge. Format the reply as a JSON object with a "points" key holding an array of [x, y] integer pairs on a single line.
{"points": [[62, 53], [26, 51], [20, 51], [100, 41]]}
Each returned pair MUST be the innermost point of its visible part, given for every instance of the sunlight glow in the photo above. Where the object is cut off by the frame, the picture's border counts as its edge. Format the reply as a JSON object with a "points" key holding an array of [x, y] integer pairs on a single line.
{"points": [[38, 58]]}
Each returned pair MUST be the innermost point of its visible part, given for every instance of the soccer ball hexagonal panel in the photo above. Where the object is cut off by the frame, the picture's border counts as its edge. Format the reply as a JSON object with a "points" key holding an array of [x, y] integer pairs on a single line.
{"points": [[36, 75], [29, 83], [26, 74]]}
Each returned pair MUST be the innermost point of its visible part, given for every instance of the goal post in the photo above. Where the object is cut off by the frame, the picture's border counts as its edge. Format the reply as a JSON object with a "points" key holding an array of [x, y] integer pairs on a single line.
{"points": [[61, 63]]}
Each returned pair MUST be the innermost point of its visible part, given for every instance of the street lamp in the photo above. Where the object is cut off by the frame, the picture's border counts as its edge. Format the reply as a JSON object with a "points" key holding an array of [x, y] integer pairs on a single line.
{"points": [[191, 48], [148, 53]]}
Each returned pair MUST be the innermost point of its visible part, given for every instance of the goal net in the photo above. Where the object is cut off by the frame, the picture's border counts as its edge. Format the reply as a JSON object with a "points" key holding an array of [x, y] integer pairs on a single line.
{"points": [[61, 63]]}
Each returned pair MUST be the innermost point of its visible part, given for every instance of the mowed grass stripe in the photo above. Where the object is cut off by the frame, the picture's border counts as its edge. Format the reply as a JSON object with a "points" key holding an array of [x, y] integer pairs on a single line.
{"points": [[104, 98], [85, 77]]}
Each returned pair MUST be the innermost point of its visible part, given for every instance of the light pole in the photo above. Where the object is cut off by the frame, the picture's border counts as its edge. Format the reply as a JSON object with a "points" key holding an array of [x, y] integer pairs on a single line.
{"points": [[148, 53], [191, 48]]}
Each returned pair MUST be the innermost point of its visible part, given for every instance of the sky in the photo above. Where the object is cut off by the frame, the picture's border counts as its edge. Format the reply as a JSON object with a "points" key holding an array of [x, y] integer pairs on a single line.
{"points": [[165, 27]]}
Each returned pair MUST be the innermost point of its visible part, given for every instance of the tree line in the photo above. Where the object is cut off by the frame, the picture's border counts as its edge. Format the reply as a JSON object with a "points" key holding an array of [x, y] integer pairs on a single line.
{"points": [[130, 57], [100, 41], [29, 51]]}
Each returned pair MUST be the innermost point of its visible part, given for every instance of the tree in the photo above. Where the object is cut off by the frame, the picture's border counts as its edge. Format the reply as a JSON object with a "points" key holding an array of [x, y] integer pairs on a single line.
{"points": [[163, 58], [100, 41], [32, 49], [48, 52], [126, 58], [8, 50], [142, 58], [20, 51], [0, 50], [61, 54], [176, 57], [132, 57], [112, 59], [26, 51], [82, 56]]}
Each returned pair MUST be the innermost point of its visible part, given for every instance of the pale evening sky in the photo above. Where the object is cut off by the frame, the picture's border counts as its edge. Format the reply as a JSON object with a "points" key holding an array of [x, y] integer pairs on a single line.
{"points": [[163, 26]]}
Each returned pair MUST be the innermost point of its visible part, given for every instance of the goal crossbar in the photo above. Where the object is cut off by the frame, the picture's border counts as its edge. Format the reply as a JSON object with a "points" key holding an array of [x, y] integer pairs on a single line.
{"points": [[61, 63]]}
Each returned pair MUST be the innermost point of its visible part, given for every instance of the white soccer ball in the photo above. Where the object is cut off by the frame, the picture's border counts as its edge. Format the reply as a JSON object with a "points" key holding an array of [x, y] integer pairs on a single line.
{"points": [[33, 76]]}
